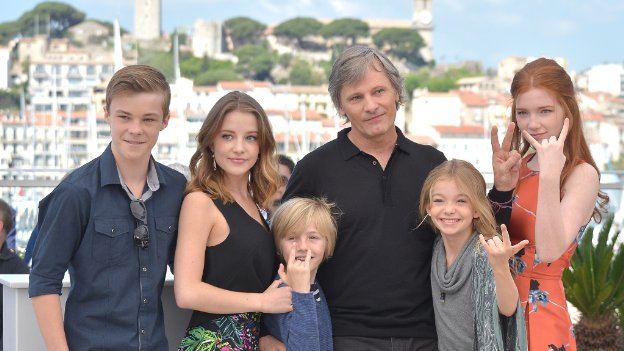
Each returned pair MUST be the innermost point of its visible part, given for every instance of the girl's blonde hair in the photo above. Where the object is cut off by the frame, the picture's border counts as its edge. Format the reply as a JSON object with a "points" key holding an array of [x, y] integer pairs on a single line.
{"points": [[471, 183], [296, 214]]}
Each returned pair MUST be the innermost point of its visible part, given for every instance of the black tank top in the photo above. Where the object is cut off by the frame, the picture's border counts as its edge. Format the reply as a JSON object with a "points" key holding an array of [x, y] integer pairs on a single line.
{"points": [[245, 261]]}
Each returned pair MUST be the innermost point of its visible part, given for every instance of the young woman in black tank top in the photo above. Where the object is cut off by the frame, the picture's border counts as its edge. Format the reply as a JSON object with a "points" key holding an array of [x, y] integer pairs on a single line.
{"points": [[225, 257]]}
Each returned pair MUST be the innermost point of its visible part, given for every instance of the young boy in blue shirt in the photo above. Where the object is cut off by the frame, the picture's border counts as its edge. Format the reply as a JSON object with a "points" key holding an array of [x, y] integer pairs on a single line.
{"points": [[112, 223], [304, 231]]}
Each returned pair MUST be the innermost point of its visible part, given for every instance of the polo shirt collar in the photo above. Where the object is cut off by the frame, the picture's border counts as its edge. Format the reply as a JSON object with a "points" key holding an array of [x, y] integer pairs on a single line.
{"points": [[348, 149]]}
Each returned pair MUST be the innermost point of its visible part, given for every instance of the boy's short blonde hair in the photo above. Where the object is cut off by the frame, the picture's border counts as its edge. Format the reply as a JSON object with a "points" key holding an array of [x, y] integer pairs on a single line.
{"points": [[296, 214]]}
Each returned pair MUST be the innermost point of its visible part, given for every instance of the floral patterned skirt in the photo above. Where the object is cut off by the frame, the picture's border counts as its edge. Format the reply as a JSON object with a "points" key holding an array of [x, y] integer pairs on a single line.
{"points": [[233, 332]]}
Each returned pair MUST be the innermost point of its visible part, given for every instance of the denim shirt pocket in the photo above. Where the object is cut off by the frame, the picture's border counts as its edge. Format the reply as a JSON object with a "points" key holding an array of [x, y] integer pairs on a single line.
{"points": [[166, 229], [112, 240]]}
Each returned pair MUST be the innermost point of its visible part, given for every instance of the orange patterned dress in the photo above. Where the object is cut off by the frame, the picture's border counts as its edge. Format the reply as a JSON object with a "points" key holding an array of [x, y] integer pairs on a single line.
{"points": [[539, 284]]}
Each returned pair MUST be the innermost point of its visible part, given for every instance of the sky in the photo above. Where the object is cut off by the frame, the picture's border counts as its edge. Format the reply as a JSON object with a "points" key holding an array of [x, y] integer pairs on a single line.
{"points": [[585, 33]]}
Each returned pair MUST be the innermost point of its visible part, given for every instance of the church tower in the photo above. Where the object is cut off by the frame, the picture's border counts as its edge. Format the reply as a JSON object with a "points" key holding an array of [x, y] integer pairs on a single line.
{"points": [[422, 20], [147, 18]]}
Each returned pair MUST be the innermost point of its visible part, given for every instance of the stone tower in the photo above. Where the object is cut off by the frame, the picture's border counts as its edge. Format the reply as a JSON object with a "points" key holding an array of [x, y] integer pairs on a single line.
{"points": [[147, 18], [423, 22]]}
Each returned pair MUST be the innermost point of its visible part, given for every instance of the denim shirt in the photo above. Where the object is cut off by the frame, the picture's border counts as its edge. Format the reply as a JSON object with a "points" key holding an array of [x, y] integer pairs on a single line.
{"points": [[86, 227]]}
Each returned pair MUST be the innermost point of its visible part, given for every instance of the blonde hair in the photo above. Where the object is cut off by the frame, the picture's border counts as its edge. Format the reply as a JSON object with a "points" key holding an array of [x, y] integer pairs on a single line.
{"points": [[264, 176], [471, 183], [296, 214]]}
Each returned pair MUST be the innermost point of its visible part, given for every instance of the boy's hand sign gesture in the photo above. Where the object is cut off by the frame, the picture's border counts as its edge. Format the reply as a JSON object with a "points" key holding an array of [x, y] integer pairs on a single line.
{"points": [[298, 273], [550, 156], [500, 251]]}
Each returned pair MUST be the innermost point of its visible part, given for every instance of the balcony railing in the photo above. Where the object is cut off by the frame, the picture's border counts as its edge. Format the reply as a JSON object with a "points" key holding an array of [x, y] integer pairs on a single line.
{"points": [[24, 188]]}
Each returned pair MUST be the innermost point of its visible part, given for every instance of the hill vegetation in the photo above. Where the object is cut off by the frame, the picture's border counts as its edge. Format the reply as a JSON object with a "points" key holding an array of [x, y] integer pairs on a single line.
{"points": [[255, 58]]}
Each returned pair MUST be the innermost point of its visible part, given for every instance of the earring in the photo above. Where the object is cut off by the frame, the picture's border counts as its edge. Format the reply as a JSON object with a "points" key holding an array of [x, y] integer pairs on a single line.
{"points": [[423, 220], [214, 162]]}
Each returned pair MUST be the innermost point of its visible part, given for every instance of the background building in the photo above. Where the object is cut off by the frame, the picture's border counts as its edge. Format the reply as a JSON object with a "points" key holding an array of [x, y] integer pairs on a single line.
{"points": [[147, 19], [423, 22]]}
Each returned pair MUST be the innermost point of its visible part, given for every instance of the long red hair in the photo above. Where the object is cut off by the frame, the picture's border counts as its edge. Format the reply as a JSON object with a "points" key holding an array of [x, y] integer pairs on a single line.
{"points": [[548, 75]]}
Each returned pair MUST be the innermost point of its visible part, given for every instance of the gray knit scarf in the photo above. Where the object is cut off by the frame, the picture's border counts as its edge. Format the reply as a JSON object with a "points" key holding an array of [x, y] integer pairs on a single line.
{"points": [[492, 331]]}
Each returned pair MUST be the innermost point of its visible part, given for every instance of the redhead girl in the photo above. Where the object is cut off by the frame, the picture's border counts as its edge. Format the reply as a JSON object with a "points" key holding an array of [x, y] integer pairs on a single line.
{"points": [[557, 193]]}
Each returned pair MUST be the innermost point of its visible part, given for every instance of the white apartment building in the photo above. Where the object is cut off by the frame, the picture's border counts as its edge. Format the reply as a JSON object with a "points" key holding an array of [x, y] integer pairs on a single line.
{"points": [[465, 143], [429, 109], [608, 78], [509, 66]]}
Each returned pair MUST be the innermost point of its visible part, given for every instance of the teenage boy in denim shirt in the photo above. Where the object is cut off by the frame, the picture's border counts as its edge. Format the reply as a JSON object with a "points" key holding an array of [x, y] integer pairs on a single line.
{"points": [[112, 223]]}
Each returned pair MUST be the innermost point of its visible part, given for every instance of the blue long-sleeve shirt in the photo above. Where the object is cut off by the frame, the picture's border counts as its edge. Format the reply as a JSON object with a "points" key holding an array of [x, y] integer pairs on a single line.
{"points": [[86, 226], [307, 327]]}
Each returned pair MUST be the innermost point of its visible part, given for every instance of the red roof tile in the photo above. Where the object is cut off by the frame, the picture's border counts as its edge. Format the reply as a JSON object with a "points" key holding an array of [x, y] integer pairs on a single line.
{"points": [[472, 99], [234, 85], [593, 116], [460, 130]]}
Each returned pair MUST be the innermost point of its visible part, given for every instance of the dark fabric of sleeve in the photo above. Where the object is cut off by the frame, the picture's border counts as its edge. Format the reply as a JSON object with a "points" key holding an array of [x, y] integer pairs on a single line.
{"points": [[62, 218], [501, 202]]}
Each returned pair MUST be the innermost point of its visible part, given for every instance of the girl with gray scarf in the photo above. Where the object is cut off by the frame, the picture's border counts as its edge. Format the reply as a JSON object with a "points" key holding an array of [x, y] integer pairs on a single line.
{"points": [[475, 299]]}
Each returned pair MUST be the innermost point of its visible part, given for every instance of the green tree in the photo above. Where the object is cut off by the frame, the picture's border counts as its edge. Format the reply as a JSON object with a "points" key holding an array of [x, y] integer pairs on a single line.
{"points": [[413, 81], [401, 42], [221, 64], [8, 31], [193, 66], [162, 60], [244, 30], [110, 26], [618, 165], [298, 28], [347, 28], [440, 84], [326, 66], [285, 59], [57, 15], [457, 73], [183, 38], [211, 77], [302, 73], [255, 62], [9, 100]]}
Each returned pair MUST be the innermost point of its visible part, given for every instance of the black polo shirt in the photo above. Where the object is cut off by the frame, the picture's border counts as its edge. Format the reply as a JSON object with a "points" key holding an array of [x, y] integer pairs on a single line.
{"points": [[377, 282]]}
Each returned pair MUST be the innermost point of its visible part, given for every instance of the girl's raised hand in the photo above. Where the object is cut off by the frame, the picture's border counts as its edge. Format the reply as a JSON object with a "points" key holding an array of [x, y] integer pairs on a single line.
{"points": [[550, 155], [500, 251]]}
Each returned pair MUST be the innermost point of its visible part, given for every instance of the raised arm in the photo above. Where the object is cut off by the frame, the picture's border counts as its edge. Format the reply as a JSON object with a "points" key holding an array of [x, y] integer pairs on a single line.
{"points": [[499, 252], [298, 329], [559, 218], [505, 166], [198, 221], [505, 162]]}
